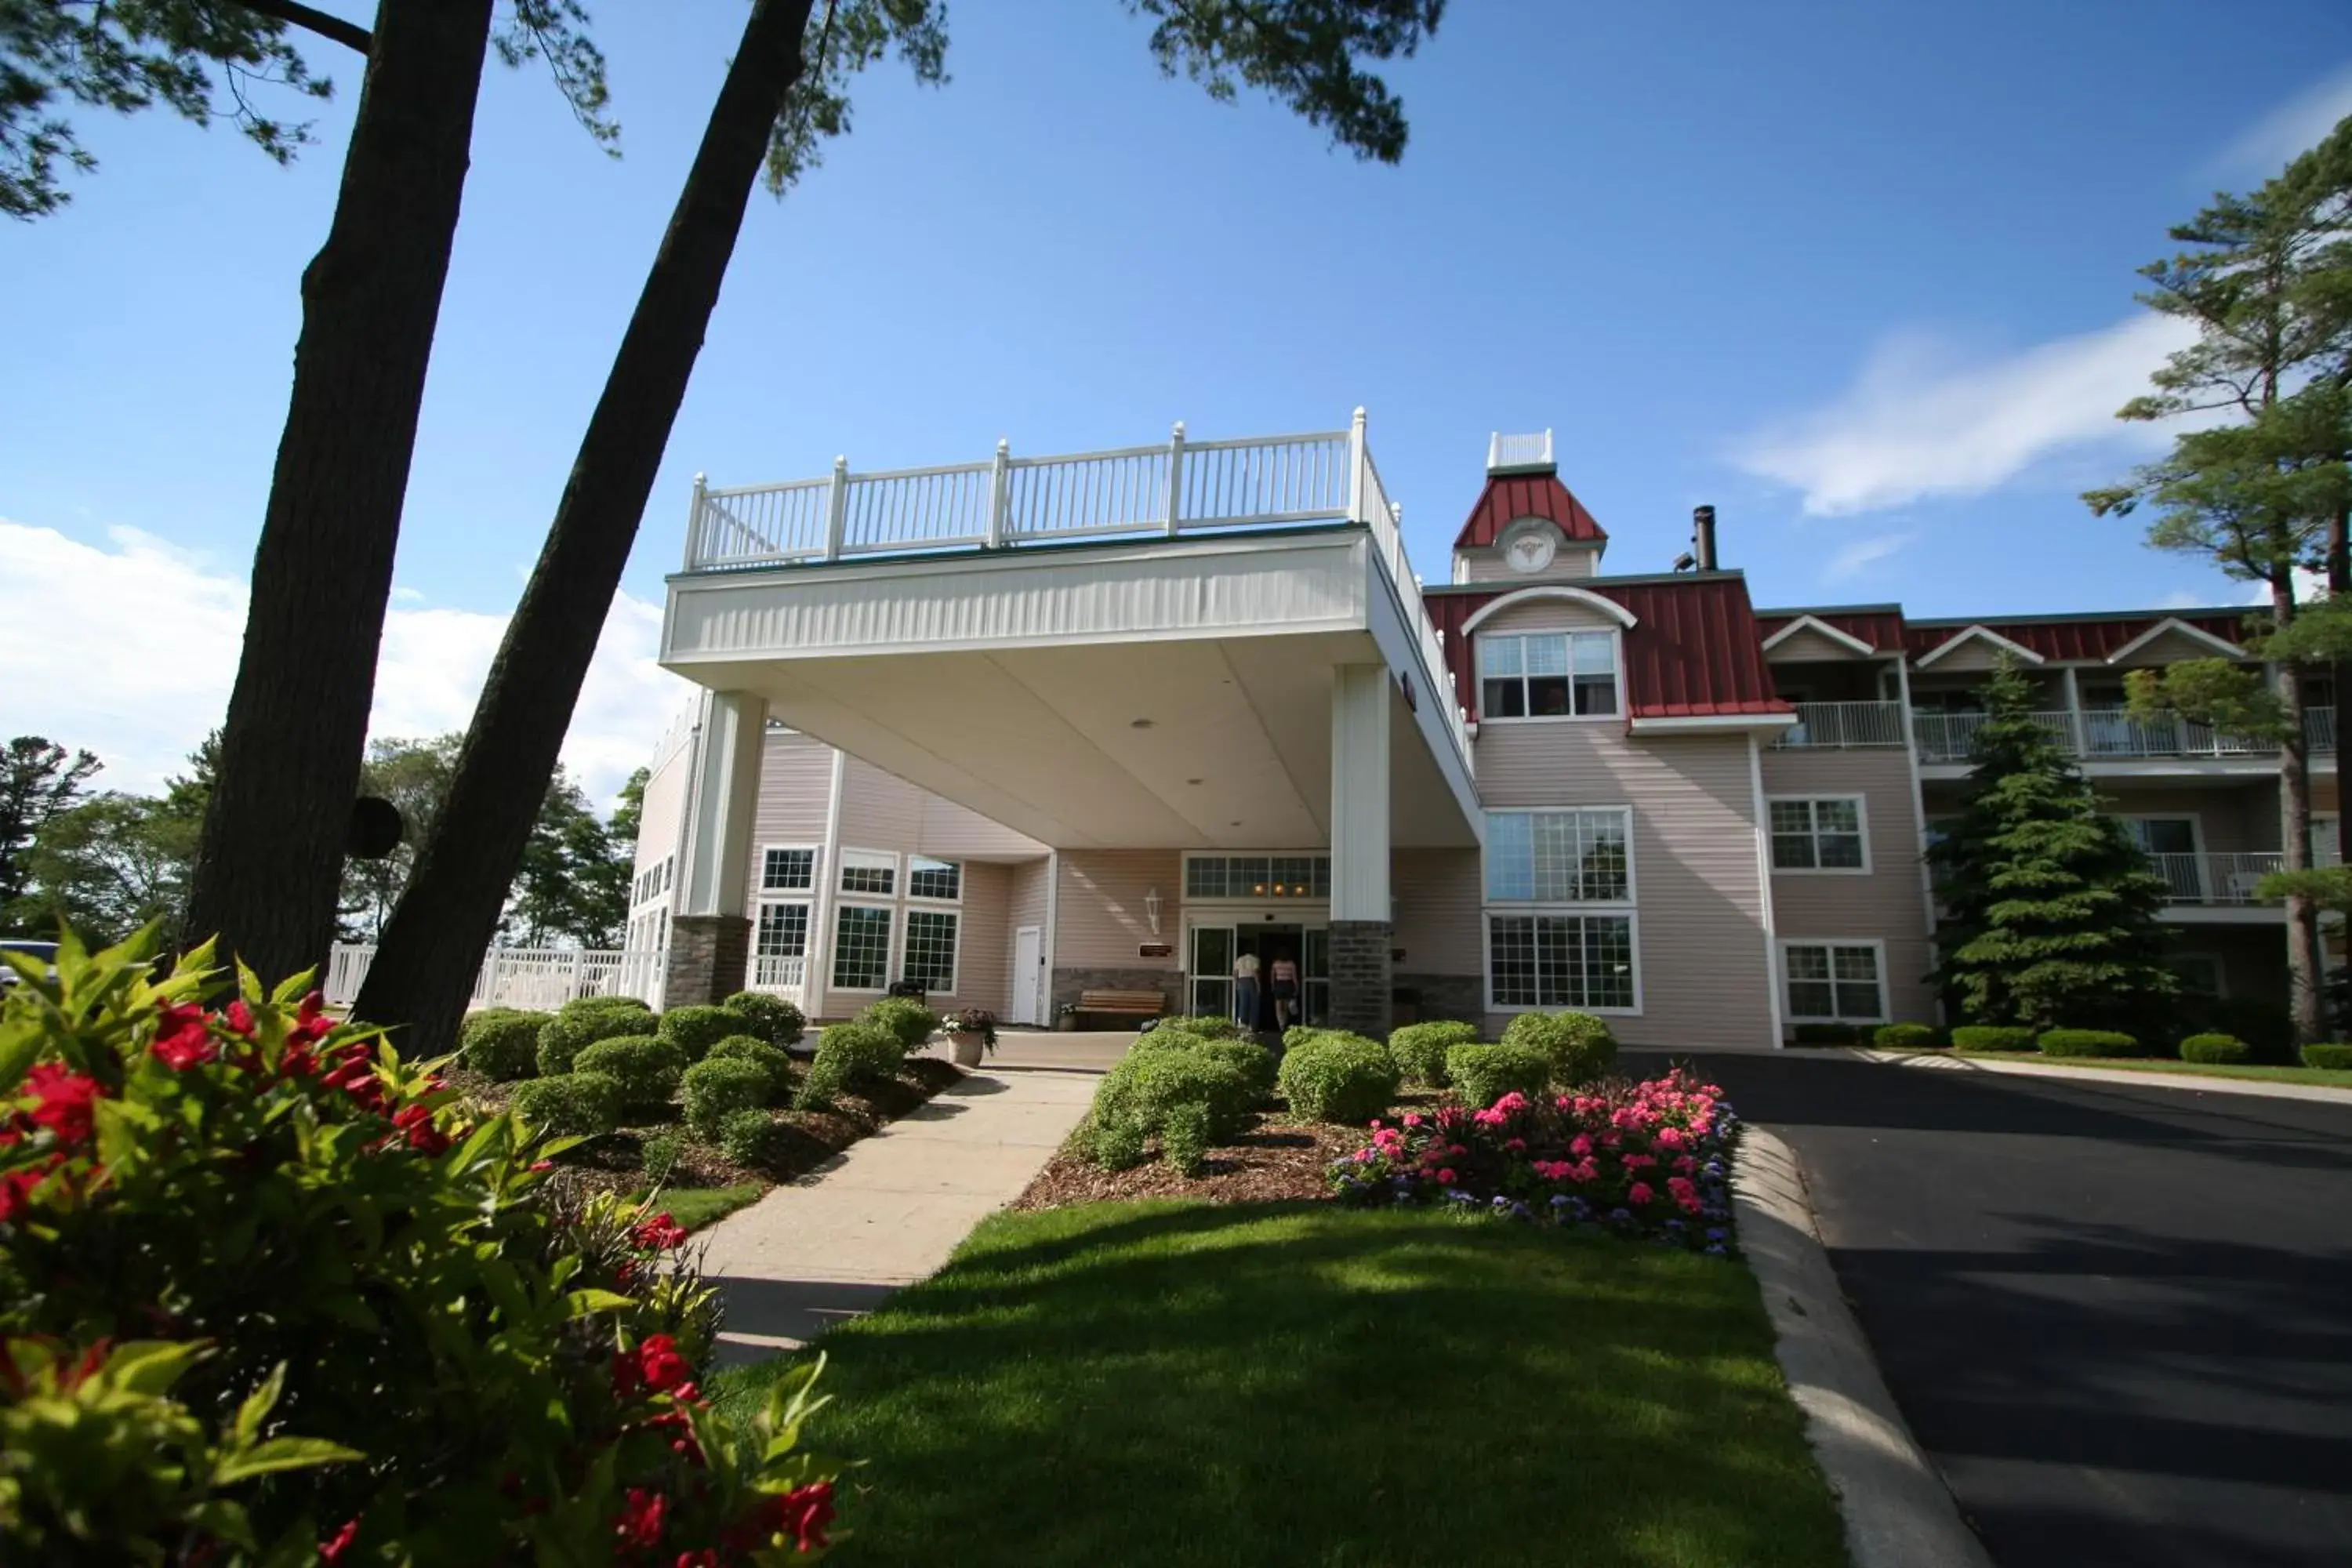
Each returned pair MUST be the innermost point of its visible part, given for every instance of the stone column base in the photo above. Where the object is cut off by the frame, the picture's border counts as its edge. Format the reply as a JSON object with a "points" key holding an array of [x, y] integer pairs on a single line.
{"points": [[1361, 977], [710, 956]]}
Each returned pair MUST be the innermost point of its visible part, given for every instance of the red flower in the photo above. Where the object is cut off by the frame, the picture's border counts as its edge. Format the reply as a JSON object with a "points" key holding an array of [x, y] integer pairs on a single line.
{"points": [[417, 1123], [66, 1097], [332, 1550], [239, 1017], [17, 1187], [659, 1232], [656, 1368], [640, 1523], [182, 1040], [706, 1558], [804, 1513]]}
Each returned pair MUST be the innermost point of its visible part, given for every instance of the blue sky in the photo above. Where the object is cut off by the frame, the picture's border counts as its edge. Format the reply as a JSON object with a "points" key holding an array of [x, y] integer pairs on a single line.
{"points": [[1859, 275]]}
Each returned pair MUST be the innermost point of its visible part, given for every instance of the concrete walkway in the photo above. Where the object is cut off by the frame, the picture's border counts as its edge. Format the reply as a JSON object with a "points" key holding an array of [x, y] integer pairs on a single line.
{"points": [[886, 1211]]}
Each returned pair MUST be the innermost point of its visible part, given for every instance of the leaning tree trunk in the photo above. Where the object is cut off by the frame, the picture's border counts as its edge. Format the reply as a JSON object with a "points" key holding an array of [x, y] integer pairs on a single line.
{"points": [[2303, 949], [424, 970], [271, 857]]}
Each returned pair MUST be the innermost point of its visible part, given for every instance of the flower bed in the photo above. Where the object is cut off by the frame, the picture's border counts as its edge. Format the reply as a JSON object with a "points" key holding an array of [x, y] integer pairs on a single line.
{"points": [[1649, 1159]]}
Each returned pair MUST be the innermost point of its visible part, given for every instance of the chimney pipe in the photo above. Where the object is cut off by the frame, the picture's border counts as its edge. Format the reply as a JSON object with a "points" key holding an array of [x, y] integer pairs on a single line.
{"points": [[1703, 536]]}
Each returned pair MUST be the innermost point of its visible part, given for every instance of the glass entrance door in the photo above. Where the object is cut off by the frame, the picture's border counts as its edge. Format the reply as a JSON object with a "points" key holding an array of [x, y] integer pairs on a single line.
{"points": [[1211, 970], [1315, 973]]}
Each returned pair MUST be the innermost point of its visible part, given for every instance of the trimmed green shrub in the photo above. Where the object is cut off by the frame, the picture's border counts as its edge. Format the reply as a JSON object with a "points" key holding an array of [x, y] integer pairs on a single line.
{"points": [[694, 1030], [766, 1018], [1420, 1049], [646, 1067], [1484, 1074], [1579, 1045], [574, 1029], [846, 1056], [1993, 1037], [1828, 1035], [1184, 1138], [581, 1005], [1299, 1035], [1907, 1037], [747, 1137], [2329, 1056], [1337, 1077], [1114, 1145], [2087, 1042], [1205, 1026], [711, 1089], [663, 1152], [904, 1019], [571, 1103], [775, 1059], [2215, 1049], [1136, 1096], [501, 1043], [1253, 1062]]}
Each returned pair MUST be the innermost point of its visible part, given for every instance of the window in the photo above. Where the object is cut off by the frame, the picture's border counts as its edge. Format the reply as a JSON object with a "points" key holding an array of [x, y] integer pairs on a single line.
{"points": [[787, 870], [1833, 981], [2201, 974], [861, 948], [931, 949], [783, 931], [1561, 961], [928, 878], [868, 871], [1257, 876], [1819, 834], [1547, 675], [1559, 856]]}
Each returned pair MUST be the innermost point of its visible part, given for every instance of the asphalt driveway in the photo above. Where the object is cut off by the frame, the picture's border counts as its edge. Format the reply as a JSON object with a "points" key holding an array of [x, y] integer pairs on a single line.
{"points": [[2118, 1319]]}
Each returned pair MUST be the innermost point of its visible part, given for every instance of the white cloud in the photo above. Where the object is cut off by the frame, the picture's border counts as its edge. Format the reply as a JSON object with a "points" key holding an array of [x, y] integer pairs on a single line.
{"points": [[1916, 423], [2295, 127], [1851, 560], [2182, 599], [131, 651]]}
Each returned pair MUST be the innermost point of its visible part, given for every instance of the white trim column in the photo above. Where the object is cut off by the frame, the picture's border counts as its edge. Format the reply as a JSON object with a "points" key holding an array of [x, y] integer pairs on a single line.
{"points": [[710, 931], [1361, 911]]}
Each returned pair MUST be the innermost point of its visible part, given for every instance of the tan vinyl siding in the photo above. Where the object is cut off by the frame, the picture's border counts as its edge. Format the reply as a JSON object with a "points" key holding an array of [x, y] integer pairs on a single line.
{"points": [[953, 832], [2230, 821], [983, 941], [1809, 646], [1974, 655], [1438, 910], [1490, 566], [879, 810], [1887, 903], [1705, 974], [1547, 615], [1027, 884], [663, 809], [1101, 911], [795, 790]]}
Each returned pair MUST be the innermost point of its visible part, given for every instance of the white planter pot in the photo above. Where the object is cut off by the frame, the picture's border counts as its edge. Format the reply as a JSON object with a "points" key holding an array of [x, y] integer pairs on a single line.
{"points": [[963, 1047]]}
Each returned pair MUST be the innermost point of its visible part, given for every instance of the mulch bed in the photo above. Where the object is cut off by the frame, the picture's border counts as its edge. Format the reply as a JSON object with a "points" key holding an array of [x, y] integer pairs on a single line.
{"points": [[1274, 1160]]}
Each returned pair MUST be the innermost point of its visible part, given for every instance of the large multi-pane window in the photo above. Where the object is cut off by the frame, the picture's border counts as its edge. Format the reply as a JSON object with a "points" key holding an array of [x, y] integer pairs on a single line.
{"points": [[1819, 834], [1257, 876], [1835, 982], [928, 878], [1547, 675], [869, 871], [787, 870], [861, 948], [1550, 951], [780, 945], [931, 949]]}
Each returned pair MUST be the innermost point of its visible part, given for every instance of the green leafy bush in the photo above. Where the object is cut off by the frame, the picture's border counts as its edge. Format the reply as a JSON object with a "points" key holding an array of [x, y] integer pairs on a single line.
{"points": [[572, 1104], [848, 1055], [1907, 1037], [1114, 1145], [501, 1043], [1186, 1137], [340, 1311], [1484, 1074], [1336, 1077], [580, 1006], [647, 1068], [2329, 1056], [1135, 1097], [748, 1136], [1579, 1045], [904, 1019], [662, 1158], [1299, 1035], [1828, 1034], [766, 1018], [1993, 1037], [575, 1028], [2215, 1049], [710, 1090], [695, 1029], [1420, 1049], [1203, 1026], [2261, 1023], [777, 1062], [2087, 1042], [1255, 1062]]}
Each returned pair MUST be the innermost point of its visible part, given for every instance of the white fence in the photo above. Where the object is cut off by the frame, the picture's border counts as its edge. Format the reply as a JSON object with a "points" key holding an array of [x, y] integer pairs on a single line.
{"points": [[1844, 725], [539, 978]]}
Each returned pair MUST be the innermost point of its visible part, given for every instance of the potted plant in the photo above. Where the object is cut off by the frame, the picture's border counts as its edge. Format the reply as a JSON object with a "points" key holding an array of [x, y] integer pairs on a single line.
{"points": [[970, 1032], [1066, 1018]]}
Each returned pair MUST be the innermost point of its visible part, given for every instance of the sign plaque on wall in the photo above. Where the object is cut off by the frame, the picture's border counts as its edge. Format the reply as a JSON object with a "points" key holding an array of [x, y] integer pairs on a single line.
{"points": [[1154, 950]]}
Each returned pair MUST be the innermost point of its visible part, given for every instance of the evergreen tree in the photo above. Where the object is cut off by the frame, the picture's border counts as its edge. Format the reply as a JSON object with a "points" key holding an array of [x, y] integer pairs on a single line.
{"points": [[2051, 906]]}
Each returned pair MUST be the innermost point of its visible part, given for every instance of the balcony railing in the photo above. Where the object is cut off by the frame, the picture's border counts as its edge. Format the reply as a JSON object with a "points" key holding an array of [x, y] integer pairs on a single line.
{"points": [[1842, 726], [1182, 487], [1952, 737], [2215, 878], [2109, 735]]}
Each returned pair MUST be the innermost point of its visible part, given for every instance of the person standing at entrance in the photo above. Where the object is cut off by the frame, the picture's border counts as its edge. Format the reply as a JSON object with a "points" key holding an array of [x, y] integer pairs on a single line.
{"points": [[1284, 976], [1246, 991]]}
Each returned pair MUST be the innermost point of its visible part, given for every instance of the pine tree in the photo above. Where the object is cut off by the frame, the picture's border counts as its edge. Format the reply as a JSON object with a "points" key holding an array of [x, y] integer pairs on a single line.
{"points": [[2051, 906]]}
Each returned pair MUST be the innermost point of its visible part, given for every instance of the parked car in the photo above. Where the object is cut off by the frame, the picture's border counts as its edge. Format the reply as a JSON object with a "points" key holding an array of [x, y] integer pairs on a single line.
{"points": [[47, 951]]}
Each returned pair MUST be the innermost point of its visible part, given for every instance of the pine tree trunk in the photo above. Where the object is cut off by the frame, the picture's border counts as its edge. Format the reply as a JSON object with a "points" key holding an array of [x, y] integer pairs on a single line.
{"points": [[423, 971], [270, 860], [2303, 949]]}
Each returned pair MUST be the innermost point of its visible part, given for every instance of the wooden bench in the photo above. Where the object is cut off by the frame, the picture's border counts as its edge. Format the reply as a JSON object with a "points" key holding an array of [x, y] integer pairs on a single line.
{"points": [[1123, 1004]]}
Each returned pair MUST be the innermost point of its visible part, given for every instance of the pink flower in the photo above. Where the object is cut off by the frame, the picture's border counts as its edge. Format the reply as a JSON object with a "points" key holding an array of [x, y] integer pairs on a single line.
{"points": [[1639, 1194], [1413, 1118], [1639, 1161], [1445, 1176], [1579, 1145], [1515, 1145], [332, 1550]]}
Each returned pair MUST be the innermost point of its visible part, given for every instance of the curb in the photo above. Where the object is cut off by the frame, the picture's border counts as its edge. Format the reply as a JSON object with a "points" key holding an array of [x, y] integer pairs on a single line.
{"points": [[2252, 1088], [1897, 1511]]}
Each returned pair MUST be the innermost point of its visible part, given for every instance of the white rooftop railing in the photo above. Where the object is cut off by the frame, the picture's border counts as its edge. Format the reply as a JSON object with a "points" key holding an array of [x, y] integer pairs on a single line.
{"points": [[1505, 452], [1181, 488]]}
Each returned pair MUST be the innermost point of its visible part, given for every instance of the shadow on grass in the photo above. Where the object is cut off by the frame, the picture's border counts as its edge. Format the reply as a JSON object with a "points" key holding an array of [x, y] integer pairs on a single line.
{"points": [[1162, 1383]]}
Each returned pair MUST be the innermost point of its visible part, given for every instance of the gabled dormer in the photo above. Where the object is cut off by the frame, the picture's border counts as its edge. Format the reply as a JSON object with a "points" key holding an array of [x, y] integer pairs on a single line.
{"points": [[1526, 527]]}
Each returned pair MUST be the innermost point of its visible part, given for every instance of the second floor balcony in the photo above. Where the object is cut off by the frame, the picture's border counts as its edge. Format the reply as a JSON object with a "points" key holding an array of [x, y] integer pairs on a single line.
{"points": [[2090, 735]]}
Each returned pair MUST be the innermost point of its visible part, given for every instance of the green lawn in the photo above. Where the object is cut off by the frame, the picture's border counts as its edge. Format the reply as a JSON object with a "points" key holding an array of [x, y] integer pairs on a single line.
{"points": [[2324, 1077], [695, 1208], [1148, 1384]]}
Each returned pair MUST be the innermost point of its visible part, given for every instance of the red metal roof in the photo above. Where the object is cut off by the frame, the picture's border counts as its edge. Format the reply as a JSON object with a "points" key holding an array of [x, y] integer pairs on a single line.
{"points": [[1881, 629], [1693, 648], [1510, 497], [2085, 638]]}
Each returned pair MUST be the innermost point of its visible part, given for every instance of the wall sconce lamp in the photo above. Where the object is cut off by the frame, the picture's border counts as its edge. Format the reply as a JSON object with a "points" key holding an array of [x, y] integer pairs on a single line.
{"points": [[1151, 910]]}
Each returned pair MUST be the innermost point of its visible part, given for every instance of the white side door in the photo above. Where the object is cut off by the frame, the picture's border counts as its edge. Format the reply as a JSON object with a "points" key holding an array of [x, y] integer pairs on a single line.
{"points": [[1028, 973]]}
